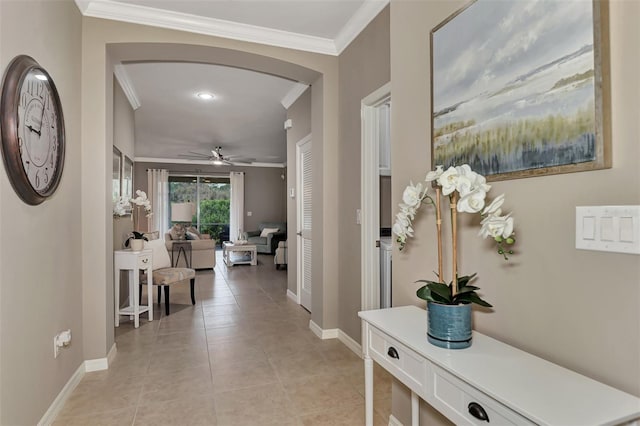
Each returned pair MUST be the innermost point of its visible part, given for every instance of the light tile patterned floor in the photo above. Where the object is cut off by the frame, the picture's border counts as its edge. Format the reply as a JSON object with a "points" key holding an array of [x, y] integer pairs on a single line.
{"points": [[243, 355]]}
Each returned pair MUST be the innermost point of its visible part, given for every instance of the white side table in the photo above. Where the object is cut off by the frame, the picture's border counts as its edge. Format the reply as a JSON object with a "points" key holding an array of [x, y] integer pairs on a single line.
{"points": [[134, 262], [229, 247]]}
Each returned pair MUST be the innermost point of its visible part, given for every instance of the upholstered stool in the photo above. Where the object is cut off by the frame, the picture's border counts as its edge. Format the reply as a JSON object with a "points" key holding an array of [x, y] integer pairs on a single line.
{"points": [[165, 277], [280, 257]]}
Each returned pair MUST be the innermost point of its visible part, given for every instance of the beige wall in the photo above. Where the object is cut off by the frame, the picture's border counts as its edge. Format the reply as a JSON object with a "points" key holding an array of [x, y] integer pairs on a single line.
{"points": [[264, 189], [40, 253], [300, 114], [575, 308], [105, 42], [364, 67]]}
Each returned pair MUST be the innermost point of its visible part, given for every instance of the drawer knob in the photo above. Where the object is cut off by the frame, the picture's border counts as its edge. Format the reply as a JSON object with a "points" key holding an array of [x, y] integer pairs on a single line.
{"points": [[393, 353], [478, 412]]}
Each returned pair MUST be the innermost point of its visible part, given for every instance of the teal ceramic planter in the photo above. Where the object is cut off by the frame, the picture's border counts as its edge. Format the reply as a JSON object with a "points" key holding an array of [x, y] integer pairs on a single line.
{"points": [[449, 326]]}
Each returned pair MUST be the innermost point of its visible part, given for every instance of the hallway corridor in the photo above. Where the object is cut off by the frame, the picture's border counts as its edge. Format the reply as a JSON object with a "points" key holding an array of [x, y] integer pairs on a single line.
{"points": [[242, 356]]}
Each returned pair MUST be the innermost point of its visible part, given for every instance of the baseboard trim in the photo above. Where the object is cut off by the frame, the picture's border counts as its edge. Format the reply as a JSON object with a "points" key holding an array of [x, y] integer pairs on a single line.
{"points": [[323, 334], [393, 421], [96, 365], [350, 343], [57, 404], [291, 295]]}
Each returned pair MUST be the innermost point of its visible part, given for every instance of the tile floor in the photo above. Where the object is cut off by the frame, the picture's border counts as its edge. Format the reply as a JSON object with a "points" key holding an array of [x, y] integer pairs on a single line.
{"points": [[243, 355]]}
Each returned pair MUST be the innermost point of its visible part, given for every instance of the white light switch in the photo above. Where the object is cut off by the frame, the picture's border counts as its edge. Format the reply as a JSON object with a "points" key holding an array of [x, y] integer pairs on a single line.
{"points": [[589, 227], [249, 213], [608, 228]]}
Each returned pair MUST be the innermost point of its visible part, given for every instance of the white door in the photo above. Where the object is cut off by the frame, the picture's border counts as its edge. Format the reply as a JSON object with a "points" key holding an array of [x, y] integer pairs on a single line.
{"points": [[304, 190]]}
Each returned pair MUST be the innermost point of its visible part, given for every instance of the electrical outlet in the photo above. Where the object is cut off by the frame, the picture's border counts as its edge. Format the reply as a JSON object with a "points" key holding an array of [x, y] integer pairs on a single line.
{"points": [[61, 340]]}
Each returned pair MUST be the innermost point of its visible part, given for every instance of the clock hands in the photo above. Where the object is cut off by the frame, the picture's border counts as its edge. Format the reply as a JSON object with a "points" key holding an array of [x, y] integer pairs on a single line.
{"points": [[39, 132]]}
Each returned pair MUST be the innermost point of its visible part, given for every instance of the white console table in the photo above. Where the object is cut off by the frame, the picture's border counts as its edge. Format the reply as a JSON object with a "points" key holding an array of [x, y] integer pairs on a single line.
{"points": [[134, 262], [491, 379]]}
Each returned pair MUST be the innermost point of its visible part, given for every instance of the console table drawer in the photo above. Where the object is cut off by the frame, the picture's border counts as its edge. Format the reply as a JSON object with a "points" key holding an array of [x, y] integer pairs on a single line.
{"points": [[402, 362], [453, 397], [144, 261]]}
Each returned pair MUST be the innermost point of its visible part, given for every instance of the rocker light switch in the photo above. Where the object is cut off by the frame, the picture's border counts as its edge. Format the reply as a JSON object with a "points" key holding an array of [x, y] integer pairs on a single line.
{"points": [[608, 228]]}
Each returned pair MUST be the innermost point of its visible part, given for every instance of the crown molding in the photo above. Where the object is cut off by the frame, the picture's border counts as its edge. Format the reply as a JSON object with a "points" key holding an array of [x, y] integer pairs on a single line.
{"points": [[127, 86], [293, 94], [358, 22], [125, 12], [204, 162]]}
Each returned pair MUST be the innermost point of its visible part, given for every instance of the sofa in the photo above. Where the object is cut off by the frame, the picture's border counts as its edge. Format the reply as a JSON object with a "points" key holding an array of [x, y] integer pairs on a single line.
{"points": [[203, 249], [268, 243]]}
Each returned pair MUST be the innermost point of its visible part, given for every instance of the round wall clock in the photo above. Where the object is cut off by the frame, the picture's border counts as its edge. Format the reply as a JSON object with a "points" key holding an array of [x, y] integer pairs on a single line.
{"points": [[32, 130]]}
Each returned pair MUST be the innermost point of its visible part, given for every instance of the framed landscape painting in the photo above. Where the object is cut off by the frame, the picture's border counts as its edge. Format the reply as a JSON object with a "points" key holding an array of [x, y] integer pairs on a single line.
{"points": [[521, 88]]}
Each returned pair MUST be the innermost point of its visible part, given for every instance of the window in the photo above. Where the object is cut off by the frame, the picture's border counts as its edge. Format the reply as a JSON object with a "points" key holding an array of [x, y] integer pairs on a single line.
{"points": [[211, 195]]}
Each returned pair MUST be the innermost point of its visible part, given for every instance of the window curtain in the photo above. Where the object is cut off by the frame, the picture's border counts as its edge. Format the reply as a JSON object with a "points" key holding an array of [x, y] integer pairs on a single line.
{"points": [[236, 220], [158, 193]]}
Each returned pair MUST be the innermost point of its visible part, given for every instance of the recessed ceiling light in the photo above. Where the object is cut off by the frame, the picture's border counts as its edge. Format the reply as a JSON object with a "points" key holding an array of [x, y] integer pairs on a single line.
{"points": [[206, 96]]}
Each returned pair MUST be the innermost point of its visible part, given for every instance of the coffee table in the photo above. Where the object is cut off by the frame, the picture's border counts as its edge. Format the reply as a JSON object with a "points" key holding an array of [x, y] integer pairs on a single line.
{"points": [[229, 247]]}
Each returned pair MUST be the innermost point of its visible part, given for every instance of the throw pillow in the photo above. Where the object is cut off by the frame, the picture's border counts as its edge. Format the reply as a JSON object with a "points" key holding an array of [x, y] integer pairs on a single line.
{"points": [[193, 230], [177, 232], [160, 254], [192, 236], [152, 235], [266, 231]]}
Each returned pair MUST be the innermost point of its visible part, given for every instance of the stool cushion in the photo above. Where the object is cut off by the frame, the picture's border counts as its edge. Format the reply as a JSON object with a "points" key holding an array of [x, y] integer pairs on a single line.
{"points": [[168, 276]]}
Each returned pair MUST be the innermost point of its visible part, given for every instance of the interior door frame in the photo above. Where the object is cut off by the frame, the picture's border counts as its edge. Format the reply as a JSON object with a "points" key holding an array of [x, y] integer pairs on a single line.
{"points": [[299, 200], [370, 197]]}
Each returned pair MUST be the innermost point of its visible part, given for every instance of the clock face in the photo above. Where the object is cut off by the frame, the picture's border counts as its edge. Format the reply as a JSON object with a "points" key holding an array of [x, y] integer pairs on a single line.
{"points": [[32, 130], [37, 131]]}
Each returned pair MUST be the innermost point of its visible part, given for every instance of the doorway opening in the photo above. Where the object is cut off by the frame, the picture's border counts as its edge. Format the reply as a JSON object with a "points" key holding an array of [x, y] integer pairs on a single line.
{"points": [[376, 174]]}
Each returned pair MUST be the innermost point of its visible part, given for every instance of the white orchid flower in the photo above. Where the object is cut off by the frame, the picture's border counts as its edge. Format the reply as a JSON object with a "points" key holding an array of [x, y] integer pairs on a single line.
{"points": [[412, 195], [448, 180], [472, 202], [434, 174], [497, 226], [494, 207]]}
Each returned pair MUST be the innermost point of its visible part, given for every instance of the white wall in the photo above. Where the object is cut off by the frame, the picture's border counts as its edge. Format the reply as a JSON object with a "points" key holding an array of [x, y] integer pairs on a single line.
{"points": [[40, 253]]}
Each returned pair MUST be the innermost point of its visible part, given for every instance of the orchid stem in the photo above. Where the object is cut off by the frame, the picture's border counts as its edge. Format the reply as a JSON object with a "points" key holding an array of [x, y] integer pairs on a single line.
{"points": [[453, 201], [439, 230]]}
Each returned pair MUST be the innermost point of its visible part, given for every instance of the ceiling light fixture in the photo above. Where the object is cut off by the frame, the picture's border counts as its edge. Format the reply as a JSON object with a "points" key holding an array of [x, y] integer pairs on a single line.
{"points": [[206, 96]]}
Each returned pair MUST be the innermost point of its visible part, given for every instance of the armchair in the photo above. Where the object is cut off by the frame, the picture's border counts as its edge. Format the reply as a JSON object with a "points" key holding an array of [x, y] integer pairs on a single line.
{"points": [[268, 243]]}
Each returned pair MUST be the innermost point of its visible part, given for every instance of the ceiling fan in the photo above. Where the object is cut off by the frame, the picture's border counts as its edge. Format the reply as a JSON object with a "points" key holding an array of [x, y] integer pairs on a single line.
{"points": [[217, 158]]}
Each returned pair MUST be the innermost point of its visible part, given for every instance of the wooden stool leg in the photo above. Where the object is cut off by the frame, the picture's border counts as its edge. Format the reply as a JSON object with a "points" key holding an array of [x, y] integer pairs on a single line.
{"points": [[193, 296], [166, 300]]}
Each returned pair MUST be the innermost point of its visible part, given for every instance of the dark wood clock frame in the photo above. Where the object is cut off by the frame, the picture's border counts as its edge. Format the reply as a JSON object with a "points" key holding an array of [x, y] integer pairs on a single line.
{"points": [[12, 83]]}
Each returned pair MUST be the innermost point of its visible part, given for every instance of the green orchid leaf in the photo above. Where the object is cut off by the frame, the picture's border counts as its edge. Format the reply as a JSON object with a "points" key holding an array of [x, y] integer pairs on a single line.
{"points": [[439, 299], [477, 300], [424, 293], [467, 289], [440, 289]]}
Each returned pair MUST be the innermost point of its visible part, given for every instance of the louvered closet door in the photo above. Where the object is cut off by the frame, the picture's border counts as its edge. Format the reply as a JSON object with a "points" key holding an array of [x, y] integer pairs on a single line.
{"points": [[304, 220]]}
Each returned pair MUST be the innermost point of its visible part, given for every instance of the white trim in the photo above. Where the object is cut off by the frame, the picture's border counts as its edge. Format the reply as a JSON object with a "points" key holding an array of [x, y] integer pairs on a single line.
{"points": [[358, 22], [127, 86], [54, 409], [350, 343], [291, 295], [323, 334], [111, 354], [205, 162], [98, 364], [370, 197], [202, 25], [292, 95], [393, 421]]}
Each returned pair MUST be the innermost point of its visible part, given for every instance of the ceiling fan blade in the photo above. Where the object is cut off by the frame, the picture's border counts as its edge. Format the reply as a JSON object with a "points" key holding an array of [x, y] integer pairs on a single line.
{"points": [[195, 157]]}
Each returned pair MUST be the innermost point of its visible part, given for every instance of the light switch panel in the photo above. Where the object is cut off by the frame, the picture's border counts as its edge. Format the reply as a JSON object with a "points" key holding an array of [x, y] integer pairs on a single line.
{"points": [[608, 228]]}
